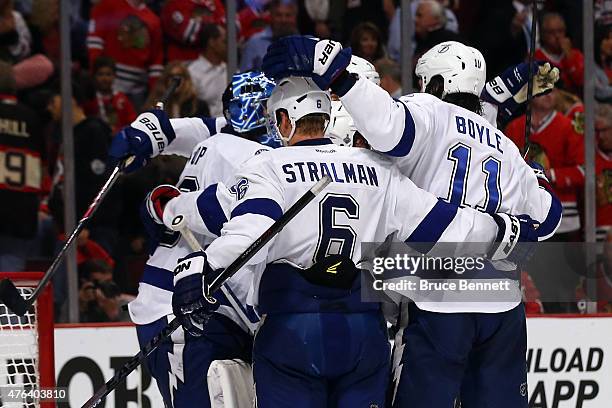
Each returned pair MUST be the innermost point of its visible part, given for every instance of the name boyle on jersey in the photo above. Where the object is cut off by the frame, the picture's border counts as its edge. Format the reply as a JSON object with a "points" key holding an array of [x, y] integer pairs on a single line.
{"points": [[338, 172]]}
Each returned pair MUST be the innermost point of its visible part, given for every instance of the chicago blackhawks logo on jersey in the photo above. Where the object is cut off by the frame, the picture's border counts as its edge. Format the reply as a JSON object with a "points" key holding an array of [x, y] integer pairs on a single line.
{"points": [[133, 33], [240, 188]]}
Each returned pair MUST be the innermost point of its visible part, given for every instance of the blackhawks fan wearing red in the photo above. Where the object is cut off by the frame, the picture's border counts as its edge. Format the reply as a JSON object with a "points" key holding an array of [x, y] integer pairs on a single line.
{"points": [[21, 147], [560, 150], [571, 67], [115, 109], [603, 170], [182, 21], [132, 36]]}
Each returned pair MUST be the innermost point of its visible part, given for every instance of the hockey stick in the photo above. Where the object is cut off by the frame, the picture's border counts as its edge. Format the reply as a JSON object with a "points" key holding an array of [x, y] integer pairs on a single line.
{"points": [[9, 294], [531, 74], [179, 224], [242, 259]]}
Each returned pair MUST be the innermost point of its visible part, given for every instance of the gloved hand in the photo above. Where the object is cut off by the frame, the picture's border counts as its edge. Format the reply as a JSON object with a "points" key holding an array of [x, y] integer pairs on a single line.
{"points": [[157, 199], [509, 90], [144, 139], [189, 304], [540, 173], [516, 237], [296, 55], [152, 213]]}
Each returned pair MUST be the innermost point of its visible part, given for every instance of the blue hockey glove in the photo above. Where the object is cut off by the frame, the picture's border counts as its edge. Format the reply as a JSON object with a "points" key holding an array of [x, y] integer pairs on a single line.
{"points": [[295, 55], [152, 213], [144, 139], [516, 237], [540, 174], [189, 304], [509, 90]]}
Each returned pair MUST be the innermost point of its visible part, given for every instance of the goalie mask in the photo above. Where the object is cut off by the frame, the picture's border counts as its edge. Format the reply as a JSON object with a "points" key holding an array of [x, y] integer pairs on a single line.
{"points": [[462, 68], [298, 97], [244, 101]]}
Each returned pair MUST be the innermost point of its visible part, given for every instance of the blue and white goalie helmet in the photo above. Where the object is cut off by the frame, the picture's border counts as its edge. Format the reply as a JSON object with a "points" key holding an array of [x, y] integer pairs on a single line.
{"points": [[244, 100]]}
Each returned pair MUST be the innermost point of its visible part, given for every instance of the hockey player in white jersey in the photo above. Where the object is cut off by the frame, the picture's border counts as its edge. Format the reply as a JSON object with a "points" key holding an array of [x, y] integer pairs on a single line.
{"points": [[180, 366], [439, 140], [319, 344]]}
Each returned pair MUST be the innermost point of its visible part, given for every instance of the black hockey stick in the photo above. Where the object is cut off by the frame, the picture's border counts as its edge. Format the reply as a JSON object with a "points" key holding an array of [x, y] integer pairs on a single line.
{"points": [[9, 294], [531, 74], [248, 253]]}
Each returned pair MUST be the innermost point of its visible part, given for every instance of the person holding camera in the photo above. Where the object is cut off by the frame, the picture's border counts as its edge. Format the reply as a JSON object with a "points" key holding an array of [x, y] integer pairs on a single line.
{"points": [[99, 296]]}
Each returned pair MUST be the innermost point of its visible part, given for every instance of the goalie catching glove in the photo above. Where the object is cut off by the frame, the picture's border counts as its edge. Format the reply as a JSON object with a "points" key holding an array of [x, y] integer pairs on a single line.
{"points": [[509, 90], [190, 304], [145, 138], [295, 55]]}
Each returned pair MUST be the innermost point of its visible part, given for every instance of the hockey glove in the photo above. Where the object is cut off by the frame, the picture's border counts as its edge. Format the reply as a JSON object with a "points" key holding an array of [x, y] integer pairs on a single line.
{"points": [[152, 212], [189, 304], [295, 55], [516, 237], [157, 199], [144, 139], [540, 174], [509, 90]]}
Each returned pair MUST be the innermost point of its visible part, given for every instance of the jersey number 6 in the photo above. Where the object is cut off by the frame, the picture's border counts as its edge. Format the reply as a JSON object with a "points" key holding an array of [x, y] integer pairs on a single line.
{"points": [[336, 238]]}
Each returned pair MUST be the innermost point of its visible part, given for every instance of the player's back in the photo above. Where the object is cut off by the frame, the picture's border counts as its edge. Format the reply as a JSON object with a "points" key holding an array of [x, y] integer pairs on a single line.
{"points": [[351, 210], [367, 201], [459, 156]]}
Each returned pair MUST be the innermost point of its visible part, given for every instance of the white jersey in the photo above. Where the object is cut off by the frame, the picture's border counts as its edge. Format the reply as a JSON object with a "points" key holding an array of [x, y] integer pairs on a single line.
{"points": [[214, 160], [456, 155], [367, 201], [191, 131]]}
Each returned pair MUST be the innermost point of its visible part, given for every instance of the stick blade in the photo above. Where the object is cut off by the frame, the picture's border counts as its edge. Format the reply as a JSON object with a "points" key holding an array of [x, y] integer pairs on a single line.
{"points": [[10, 296]]}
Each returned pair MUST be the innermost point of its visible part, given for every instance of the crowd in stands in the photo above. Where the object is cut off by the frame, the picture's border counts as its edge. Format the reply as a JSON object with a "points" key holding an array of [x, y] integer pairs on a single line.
{"points": [[124, 53]]}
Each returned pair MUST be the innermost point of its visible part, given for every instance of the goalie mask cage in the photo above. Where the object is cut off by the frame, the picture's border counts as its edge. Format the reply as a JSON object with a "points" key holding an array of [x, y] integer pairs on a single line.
{"points": [[26, 345]]}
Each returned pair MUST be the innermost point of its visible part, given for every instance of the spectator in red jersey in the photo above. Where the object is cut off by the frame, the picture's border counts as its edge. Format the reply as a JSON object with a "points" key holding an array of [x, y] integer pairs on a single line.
{"points": [[603, 169], [556, 146], [184, 102], [283, 22], [366, 42], [571, 106], [130, 33], [182, 22], [209, 71], [22, 147], [557, 49], [113, 107]]}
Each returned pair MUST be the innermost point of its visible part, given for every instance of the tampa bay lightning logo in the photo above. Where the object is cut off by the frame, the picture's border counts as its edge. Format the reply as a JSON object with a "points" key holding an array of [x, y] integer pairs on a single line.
{"points": [[444, 48], [240, 188]]}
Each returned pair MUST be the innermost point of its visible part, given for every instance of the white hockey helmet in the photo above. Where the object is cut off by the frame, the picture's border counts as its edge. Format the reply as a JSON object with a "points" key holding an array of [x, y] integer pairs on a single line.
{"points": [[341, 129], [299, 96], [364, 69], [463, 68]]}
